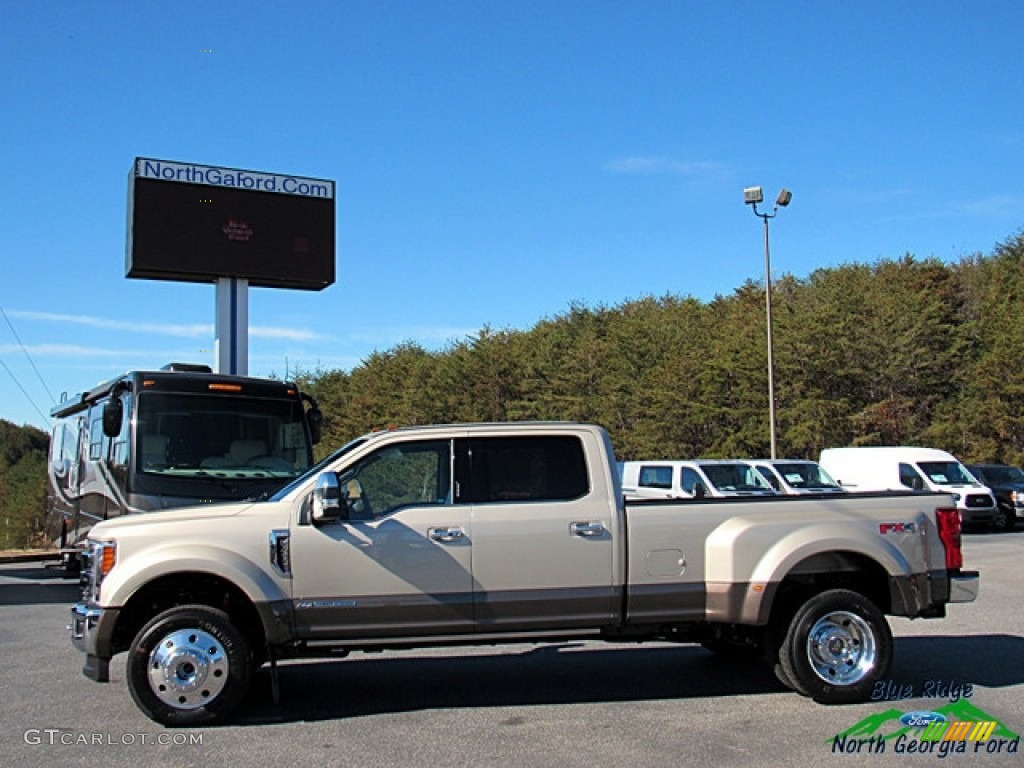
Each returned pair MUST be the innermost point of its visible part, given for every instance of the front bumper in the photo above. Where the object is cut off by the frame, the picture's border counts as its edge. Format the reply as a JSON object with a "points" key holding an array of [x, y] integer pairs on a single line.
{"points": [[963, 586], [978, 515], [92, 630]]}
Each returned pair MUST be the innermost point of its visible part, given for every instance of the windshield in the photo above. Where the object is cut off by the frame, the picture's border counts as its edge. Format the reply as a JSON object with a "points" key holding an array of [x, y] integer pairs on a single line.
{"points": [[734, 477], [317, 468], [1004, 475], [946, 473], [197, 436], [806, 475]]}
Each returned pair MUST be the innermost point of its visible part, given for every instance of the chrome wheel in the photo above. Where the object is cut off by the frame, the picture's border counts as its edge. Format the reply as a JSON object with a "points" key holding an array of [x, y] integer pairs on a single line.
{"points": [[835, 648], [841, 648], [188, 665], [188, 669]]}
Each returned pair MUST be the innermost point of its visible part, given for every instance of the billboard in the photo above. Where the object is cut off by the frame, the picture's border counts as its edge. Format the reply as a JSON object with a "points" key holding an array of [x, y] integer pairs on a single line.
{"points": [[197, 223]]}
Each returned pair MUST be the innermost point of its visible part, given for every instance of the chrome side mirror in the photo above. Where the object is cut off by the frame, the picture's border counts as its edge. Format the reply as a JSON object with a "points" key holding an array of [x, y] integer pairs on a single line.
{"points": [[327, 505]]}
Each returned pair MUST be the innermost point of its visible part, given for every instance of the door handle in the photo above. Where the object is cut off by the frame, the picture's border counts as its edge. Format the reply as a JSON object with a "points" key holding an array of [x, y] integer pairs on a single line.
{"points": [[586, 529], [446, 535]]}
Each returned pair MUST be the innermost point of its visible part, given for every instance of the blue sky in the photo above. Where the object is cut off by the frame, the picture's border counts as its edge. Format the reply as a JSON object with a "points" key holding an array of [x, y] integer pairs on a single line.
{"points": [[494, 161]]}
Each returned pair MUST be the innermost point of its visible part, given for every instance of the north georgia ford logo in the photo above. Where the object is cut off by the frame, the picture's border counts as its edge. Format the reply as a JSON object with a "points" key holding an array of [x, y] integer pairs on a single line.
{"points": [[921, 718]]}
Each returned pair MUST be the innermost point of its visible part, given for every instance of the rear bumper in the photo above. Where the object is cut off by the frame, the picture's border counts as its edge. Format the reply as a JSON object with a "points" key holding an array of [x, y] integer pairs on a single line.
{"points": [[963, 586]]}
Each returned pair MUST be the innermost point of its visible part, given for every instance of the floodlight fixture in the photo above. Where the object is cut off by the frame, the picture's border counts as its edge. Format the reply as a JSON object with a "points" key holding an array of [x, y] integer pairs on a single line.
{"points": [[753, 195], [784, 197]]}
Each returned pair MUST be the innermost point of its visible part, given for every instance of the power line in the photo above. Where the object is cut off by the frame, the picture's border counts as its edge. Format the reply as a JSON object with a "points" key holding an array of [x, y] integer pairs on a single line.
{"points": [[46, 420], [27, 356]]}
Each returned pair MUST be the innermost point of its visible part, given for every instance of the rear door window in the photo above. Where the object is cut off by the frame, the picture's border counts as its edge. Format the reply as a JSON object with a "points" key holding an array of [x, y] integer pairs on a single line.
{"points": [[534, 468]]}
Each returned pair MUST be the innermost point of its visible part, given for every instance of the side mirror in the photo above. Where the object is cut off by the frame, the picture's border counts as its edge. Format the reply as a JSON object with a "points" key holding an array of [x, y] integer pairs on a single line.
{"points": [[326, 499], [699, 491], [113, 412]]}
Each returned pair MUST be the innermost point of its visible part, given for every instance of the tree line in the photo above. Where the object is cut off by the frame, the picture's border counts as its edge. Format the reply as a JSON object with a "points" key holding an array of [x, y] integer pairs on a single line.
{"points": [[903, 351], [899, 352]]}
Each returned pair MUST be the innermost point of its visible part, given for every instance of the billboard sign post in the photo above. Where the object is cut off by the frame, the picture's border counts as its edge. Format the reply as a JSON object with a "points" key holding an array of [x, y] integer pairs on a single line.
{"points": [[199, 223]]}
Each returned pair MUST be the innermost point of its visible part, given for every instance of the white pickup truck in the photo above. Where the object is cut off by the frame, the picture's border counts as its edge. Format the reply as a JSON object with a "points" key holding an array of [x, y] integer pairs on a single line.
{"points": [[695, 479], [495, 533]]}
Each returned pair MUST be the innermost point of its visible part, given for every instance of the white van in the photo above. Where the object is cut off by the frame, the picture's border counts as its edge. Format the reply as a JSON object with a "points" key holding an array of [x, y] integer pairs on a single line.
{"points": [[721, 478], [796, 477], [875, 468]]}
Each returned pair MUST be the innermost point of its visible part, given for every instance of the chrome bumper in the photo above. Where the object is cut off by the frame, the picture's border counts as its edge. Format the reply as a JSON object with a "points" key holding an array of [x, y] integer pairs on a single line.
{"points": [[91, 631], [963, 586], [84, 619]]}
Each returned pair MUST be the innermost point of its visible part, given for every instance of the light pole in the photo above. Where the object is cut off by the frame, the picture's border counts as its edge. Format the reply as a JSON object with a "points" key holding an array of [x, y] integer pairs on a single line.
{"points": [[752, 196]]}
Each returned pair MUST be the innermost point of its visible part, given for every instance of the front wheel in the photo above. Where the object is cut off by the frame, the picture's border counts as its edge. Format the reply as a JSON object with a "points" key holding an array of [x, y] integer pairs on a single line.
{"points": [[837, 646], [188, 665], [1004, 519]]}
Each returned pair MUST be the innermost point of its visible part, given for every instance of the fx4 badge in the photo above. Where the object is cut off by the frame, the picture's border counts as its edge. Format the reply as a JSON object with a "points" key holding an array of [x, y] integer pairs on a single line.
{"points": [[884, 528]]}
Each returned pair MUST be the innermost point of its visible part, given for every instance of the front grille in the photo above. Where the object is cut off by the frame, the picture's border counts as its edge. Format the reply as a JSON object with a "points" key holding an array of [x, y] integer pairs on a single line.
{"points": [[978, 501], [85, 575]]}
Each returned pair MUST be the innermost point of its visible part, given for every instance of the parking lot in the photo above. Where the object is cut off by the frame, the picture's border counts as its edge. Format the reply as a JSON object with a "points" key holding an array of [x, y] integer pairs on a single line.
{"points": [[576, 704]]}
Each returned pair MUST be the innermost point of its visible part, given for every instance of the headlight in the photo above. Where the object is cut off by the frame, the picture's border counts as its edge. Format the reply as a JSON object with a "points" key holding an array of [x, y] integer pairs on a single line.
{"points": [[103, 559]]}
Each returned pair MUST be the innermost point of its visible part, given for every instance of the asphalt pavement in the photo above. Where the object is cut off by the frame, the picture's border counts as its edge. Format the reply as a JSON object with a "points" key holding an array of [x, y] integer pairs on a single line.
{"points": [[574, 704]]}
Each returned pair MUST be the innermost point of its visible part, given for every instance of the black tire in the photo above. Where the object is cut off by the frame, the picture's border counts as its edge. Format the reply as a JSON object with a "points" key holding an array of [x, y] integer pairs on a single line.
{"points": [[1004, 519], [836, 647], [782, 677], [188, 665], [774, 635]]}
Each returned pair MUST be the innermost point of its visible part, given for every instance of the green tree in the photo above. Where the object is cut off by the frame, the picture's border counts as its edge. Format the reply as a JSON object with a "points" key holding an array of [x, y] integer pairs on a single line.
{"points": [[23, 452], [899, 351]]}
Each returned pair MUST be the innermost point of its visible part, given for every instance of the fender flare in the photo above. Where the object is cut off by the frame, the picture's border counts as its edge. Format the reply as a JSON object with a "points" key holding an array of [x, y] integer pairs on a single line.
{"points": [[254, 581]]}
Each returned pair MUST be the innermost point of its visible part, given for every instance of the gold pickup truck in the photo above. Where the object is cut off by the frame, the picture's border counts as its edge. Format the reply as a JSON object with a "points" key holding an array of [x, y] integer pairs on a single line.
{"points": [[495, 533]]}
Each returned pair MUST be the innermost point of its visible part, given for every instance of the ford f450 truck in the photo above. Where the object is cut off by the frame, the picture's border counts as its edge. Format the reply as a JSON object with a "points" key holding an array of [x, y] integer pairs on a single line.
{"points": [[495, 533]]}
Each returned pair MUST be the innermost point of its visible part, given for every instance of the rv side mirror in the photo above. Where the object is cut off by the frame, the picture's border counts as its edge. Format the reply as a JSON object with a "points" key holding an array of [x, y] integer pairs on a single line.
{"points": [[315, 420], [326, 499], [113, 412]]}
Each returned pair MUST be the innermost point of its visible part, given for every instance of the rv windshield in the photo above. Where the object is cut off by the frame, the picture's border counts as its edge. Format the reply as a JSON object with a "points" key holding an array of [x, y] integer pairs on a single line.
{"points": [[208, 436], [946, 473]]}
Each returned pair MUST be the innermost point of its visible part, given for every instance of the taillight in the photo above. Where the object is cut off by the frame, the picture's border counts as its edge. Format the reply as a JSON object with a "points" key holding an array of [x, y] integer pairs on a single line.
{"points": [[948, 521]]}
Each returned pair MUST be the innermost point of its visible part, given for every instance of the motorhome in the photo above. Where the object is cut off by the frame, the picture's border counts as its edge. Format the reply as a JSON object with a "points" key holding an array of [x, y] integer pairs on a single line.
{"points": [[150, 440], [884, 468], [673, 479], [796, 477]]}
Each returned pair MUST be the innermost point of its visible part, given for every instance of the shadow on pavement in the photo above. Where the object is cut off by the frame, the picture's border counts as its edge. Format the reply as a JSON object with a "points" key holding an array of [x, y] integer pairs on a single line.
{"points": [[557, 674], [989, 660], [365, 685]]}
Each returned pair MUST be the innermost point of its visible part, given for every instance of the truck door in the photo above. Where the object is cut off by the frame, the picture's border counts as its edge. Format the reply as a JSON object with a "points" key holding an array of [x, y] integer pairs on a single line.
{"points": [[401, 562], [542, 543]]}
